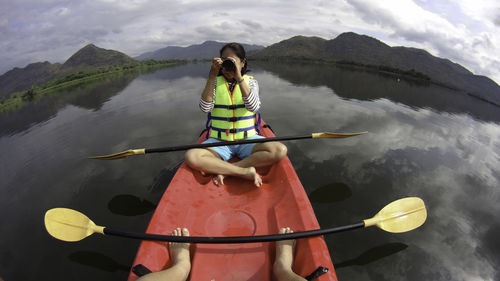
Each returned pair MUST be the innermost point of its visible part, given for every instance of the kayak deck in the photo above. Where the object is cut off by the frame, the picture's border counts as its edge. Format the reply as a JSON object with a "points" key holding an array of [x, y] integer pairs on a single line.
{"points": [[237, 208]]}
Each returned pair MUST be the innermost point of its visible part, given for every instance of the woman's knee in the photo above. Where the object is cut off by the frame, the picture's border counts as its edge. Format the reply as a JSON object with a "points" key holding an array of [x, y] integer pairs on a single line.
{"points": [[191, 156], [280, 151]]}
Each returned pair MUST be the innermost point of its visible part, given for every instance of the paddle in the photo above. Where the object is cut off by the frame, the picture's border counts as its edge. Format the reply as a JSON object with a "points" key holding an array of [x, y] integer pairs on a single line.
{"points": [[142, 151], [399, 216]]}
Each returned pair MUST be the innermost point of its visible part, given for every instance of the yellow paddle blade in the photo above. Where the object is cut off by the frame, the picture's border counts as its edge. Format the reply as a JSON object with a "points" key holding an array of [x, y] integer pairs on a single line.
{"points": [[336, 135], [400, 216], [119, 155], [69, 225]]}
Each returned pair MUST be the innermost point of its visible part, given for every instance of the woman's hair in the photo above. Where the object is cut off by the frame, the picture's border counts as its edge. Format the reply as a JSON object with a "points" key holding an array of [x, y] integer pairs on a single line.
{"points": [[239, 51]]}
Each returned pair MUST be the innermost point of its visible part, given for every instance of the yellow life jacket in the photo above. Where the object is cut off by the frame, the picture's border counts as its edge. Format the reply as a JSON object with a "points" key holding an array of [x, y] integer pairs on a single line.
{"points": [[230, 120]]}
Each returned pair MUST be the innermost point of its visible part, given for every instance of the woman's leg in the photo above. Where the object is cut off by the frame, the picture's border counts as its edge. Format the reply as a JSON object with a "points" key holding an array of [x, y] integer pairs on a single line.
{"points": [[179, 271], [282, 267], [208, 161], [264, 154]]}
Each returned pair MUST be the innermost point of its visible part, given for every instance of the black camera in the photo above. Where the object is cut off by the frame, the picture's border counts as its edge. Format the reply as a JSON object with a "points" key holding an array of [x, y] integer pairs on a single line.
{"points": [[228, 65]]}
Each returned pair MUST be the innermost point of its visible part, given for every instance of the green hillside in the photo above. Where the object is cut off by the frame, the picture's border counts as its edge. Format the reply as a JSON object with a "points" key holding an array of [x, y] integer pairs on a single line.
{"points": [[92, 56], [367, 52], [88, 57]]}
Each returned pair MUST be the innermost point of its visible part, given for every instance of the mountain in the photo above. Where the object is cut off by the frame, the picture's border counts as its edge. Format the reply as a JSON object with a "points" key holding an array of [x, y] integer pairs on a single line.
{"points": [[206, 50], [358, 49], [90, 56], [19, 79], [297, 47], [347, 48]]}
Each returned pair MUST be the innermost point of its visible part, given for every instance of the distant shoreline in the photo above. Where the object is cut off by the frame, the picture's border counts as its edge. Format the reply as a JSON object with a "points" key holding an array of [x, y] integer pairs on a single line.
{"points": [[411, 74], [375, 68], [18, 100]]}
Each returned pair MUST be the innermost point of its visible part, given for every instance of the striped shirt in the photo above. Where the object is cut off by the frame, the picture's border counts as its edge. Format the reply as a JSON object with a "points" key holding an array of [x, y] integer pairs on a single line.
{"points": [[252, 102]]}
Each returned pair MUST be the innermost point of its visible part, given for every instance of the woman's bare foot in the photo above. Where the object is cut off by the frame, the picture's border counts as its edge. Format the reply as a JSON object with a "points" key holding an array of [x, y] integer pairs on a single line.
{"points": [[219, 179], [250, 174], [284, 251], [179, 252], [282, 267], [179, 271]]}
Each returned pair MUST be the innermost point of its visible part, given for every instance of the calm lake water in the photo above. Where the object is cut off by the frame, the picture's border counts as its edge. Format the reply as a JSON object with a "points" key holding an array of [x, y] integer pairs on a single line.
{"points": [[424, 140]]}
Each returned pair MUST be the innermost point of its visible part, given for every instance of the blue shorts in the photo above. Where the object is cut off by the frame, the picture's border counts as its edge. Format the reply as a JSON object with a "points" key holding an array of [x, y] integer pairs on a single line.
{"points": [[229, 151]]}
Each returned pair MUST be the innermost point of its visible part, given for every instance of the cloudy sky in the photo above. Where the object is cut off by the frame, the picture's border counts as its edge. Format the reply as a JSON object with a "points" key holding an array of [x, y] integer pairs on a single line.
{"points": [[465, 31]]}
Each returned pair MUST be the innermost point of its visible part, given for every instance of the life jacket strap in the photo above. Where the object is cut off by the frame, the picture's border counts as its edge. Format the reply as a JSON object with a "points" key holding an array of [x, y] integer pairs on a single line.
{"points": [[232, 106], [207, 125], [233, 131], [257, 124], [232, 119]]}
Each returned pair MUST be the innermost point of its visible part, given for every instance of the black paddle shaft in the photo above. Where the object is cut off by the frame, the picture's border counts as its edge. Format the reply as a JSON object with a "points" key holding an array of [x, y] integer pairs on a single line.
{"points": [[233, 239], [224, 143]]}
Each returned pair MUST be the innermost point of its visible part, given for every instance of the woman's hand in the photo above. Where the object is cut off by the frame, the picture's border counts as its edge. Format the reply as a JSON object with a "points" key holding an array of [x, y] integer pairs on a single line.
{"points": [[215, 67], [238, 66]]}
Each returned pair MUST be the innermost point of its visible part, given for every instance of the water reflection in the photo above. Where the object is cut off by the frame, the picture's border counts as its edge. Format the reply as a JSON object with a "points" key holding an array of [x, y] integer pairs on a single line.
{"points": [[449, 160], [191, 70], [163, 178], [90, 95], [330, 193], [130, 205], [353, 83], [373, 254], [490, 245], [98, 261], [424, 141]]}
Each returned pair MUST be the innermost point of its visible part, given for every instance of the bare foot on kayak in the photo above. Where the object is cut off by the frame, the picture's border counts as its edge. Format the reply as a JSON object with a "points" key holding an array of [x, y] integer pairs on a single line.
{"points": [[282, 267], [284, 250], [250, 174], [179, 252], [219, 180]]}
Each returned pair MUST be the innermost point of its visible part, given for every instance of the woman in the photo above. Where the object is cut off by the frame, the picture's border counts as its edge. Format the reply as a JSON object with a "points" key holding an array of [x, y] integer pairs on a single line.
{"points": [[232, 100]]}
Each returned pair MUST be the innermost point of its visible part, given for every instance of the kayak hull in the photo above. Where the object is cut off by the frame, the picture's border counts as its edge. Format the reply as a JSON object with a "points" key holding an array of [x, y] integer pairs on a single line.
{"points": [[237, 208]]}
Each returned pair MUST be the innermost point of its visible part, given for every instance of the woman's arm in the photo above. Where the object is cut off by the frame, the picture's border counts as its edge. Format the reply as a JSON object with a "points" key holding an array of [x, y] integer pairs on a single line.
{"points": [[207, 96], [252, 101], [208, 93], [250, 91], [244, 87]]}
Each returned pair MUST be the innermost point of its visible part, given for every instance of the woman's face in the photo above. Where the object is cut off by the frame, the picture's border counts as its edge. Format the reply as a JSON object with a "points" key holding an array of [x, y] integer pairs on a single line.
{"points": [[228, 53]]}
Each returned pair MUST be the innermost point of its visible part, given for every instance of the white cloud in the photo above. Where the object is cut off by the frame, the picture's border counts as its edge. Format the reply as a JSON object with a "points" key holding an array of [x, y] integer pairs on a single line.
{"points": [[460, 32], [464, 31]]}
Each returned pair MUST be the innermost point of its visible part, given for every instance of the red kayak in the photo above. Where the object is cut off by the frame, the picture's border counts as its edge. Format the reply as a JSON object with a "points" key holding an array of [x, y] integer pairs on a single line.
{"points": [[237, 208]]}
